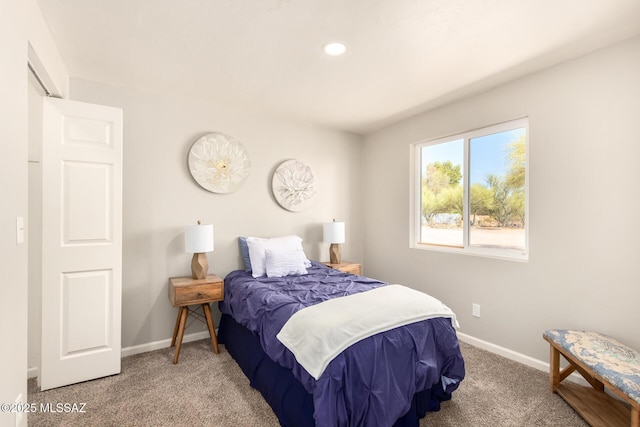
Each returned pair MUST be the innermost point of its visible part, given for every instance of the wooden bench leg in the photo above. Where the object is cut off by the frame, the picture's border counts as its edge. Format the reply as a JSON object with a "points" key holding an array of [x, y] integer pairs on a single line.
{"points": [[554, 369], [635, 417]]}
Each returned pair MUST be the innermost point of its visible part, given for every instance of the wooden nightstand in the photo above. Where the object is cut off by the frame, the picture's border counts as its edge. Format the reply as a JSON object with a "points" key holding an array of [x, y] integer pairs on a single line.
{"points": [[346, 266], [185, 291]]}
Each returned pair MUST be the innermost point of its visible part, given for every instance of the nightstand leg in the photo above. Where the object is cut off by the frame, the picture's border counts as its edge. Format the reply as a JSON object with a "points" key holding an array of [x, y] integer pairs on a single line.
{"points": [[175, 328], [212, 331], [183, 320]]}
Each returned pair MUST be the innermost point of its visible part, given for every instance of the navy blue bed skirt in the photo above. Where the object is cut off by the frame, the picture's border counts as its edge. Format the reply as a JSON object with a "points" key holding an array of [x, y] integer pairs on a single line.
{"points": [[291, 403]]}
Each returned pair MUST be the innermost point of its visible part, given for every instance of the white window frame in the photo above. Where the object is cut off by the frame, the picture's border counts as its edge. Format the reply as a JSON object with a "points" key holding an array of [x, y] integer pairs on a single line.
{"points": [[416, 194]]}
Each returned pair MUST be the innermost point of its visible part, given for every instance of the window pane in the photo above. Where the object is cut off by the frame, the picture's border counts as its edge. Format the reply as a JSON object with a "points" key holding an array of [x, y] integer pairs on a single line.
{"points": [[442, 193], [497, 194]]}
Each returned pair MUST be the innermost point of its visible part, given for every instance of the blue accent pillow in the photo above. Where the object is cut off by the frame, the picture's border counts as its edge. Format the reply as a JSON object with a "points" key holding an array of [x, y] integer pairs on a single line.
{"points": [[244, 251]]}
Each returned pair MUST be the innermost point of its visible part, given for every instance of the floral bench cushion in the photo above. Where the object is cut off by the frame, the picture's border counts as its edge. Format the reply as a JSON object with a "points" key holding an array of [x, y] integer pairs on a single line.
{"points": [[608, 358]]}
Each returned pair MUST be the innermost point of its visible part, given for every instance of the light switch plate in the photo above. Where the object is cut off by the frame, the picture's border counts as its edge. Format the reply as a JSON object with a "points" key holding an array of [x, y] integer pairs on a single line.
{"points": [[475, 310]]}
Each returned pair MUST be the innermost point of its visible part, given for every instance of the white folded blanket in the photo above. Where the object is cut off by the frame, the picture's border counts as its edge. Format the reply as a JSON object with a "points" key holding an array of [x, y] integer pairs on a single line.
{"points": [[317, 334]]}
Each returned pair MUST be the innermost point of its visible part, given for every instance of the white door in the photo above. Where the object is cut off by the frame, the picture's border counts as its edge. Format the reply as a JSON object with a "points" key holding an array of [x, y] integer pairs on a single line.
{"points": [[81, 242]]}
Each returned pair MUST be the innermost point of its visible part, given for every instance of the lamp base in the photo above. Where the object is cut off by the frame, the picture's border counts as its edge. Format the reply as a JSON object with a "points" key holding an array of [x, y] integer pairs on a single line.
{"points": [[334, 253], [199, 266]]}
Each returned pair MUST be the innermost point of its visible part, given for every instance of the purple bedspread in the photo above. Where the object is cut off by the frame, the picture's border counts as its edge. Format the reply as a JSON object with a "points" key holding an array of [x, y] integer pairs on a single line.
{"points": [[372, 382]]}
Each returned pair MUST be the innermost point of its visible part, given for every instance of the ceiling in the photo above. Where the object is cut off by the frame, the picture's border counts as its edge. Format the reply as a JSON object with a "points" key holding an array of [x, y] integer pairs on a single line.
{"points": [[265, 56]]}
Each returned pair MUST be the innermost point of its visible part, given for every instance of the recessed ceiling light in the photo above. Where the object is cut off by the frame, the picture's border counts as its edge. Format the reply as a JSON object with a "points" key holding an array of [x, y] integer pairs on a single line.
{"points": [[334, 48]]}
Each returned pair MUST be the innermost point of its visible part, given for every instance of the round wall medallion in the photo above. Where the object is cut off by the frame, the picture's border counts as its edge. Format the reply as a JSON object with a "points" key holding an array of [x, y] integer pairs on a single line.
{"points": [[293, 185], [219, 163]]}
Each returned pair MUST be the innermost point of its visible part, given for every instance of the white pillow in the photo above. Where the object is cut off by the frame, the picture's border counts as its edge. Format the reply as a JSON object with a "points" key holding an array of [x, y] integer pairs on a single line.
{"points": [[284, 262], [258, 246]]}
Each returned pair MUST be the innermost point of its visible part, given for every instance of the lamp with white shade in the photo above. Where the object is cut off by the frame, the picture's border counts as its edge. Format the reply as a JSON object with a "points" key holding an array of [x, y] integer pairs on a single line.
{"points": [[198, 240], [333, 233]]}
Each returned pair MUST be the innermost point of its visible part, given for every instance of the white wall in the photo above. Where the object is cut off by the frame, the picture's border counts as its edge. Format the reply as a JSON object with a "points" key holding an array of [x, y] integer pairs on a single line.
{"points": [[21, 24], [584, 230], [160, 196]]}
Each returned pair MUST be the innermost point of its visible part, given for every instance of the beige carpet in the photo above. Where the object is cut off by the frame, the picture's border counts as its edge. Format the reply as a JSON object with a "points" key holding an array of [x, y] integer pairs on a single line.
{"points": [[205, 389]]}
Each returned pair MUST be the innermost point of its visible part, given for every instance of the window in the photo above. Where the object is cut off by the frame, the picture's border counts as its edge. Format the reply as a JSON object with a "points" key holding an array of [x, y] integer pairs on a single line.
{"points": [[470, 192]]}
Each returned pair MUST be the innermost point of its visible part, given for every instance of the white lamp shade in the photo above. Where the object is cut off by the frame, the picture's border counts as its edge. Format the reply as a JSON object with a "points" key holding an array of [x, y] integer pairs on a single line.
{"points": [[333, 232], [198, 238]]}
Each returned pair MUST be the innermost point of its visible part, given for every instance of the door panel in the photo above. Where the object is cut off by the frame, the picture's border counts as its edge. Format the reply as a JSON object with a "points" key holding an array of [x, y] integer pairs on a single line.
{"points": [[84, 331], [81, 242], [87, 202]]}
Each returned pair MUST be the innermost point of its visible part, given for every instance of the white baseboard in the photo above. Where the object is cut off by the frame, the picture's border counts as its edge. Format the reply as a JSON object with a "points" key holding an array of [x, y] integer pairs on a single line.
{"points": [[156, 345], [504, 352], [517, 357], [33, 372]]}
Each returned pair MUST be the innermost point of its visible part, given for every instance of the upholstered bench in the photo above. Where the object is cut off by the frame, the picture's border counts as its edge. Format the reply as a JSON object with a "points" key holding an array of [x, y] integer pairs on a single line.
{"points": [[603, 362]]}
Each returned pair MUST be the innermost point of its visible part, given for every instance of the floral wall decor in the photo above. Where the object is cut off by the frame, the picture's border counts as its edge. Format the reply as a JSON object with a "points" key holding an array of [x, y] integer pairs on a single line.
{"points": [[293, 185], [219, 163]]}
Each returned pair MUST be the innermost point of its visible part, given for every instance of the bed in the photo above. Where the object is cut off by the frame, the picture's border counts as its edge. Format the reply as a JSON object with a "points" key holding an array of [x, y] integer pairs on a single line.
{"points": [[393, 377]]}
